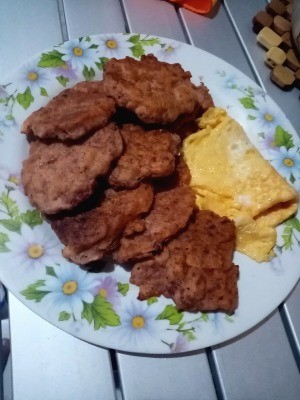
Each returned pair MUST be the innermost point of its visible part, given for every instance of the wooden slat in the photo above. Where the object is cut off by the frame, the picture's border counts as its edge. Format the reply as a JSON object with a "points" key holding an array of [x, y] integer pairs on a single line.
{"points": [[50, 364], [91, 17], [154, 18], [214, 33], [26, 27], [148, 378]]}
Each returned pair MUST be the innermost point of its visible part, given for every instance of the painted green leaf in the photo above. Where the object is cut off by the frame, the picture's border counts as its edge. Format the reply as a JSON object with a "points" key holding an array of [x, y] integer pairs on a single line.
{"points": [[294, 223], [137, 50], [134, 38], [62, 80], [64, 316], [9, 117], [229, 318], [251, 118], [25, 99], [94, 46], [12, 225], [152, 300], [123, 288], [103, 313], [204, 317], [32, 218], [247, 102], [287, 237], [3, 239], [172, 314], [32, 292], [88, 73], [87, 312], [189, 334], [52, 59], [44, 92], [283, 138], [9, 205], [50, 271], [100, 64]]}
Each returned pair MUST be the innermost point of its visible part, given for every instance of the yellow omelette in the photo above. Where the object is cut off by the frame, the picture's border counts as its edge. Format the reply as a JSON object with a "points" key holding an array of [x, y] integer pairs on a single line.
{"points": [[231, 178]]}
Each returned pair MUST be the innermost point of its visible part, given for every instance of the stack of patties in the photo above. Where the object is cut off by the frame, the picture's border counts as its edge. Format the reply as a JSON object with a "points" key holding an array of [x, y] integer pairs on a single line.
{"points": [[104, 168]]}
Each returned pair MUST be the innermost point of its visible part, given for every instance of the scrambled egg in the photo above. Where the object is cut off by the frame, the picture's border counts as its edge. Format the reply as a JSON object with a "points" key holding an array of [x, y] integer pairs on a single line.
{"points": [[231, 178]]}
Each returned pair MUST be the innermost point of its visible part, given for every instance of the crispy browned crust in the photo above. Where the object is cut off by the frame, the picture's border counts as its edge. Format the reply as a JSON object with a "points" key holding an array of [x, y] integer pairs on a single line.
{"points": [[88, 236], [195, 269], [170, 213], [157, 92], [73, 113], [58, 176], [148, 154]]}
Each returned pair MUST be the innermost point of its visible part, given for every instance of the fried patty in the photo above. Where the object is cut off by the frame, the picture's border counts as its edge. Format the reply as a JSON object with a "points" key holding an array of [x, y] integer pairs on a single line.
{"points": [[59, 175], [72, 114], [172, 208], [195, 269], [157, 92], [90, 235], [147, 154]]}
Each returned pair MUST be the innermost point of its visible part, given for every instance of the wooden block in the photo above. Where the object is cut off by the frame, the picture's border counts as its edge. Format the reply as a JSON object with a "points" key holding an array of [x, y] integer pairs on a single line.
{"points": [[289, 9], [297, 77], [276, 7], [283, 77], [281, 25], [260, 20], [286, 43], [275, 56], [292, 61], [268, 38]]}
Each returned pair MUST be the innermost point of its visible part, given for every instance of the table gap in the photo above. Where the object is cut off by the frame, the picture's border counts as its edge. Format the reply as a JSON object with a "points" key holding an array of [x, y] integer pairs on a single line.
{"points": [[62, 20], [290, 332], [217, 380]]}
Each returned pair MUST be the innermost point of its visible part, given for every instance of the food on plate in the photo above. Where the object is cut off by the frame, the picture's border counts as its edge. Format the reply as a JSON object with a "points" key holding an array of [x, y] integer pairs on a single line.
{"points": [[91, 234], [172, 208], [114, 190], [57, 176], [72, 114], [231, 178], [157, 92], [147, 154], [195, 268]]}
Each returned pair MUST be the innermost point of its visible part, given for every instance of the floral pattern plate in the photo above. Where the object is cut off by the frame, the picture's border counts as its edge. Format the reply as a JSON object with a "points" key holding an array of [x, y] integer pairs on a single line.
{"points": [[102, 307]]}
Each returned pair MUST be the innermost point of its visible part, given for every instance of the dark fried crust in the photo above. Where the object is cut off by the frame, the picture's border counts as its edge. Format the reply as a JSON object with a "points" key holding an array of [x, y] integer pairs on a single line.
{"points": [[58, 176], [170, 213], [90, 235], [157, 92], [147, 154], [195, 269], [73, 113]]}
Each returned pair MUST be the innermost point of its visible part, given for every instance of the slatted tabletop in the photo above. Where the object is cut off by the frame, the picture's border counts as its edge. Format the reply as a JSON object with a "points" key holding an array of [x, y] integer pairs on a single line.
{"points": [[48, 363]]}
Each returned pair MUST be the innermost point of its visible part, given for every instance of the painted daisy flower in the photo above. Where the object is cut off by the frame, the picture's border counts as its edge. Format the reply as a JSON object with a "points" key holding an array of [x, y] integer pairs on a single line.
{"points": [[266, 117], [113, 46], [69, 289], [267, 142], [107, 287], [180, 345], [230, 82], [12, 179], [139, 326], [29, 75], [168, 51], [6, 119], [78, 53], [33, 248], [287, 162], [66, 71]]}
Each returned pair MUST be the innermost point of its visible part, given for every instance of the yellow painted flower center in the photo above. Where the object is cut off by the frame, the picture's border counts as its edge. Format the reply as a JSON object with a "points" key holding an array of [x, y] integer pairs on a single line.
{"points": [[169, 49], [70, 287], [32, 76], [35, 251], [103, 293], [138, 322], [77, 51], [111, 44], [288, 162], [65, 66], [269, 117], [14, 179]]}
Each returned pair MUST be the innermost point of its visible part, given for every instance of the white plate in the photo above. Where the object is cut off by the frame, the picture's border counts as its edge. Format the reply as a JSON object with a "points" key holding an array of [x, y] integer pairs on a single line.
{"points": [[108, 319]]}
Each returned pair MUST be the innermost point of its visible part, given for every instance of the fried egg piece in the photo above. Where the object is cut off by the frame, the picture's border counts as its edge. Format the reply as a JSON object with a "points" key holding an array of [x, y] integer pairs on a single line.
{"points": [[231, 178]]}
